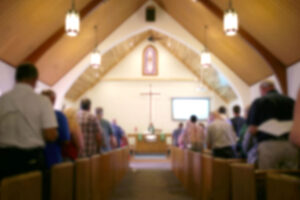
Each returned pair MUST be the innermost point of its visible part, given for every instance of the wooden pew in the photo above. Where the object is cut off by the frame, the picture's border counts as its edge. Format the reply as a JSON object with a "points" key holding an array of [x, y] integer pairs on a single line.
{"points": [[62, 181], [283, 186], [22, 187], [197, 175], [221, 178], [181, 165], [186, 169], [82, 179], [250, 184], [95, 177], [206, 176]]}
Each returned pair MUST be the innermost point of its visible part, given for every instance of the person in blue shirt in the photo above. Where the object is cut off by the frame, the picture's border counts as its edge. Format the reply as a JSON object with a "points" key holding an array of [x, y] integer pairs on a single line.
{"points": [[53, 151], [118, 131]]}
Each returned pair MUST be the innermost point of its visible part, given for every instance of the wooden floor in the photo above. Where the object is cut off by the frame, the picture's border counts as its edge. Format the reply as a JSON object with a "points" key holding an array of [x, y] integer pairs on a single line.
{"points": [[150, 178]]}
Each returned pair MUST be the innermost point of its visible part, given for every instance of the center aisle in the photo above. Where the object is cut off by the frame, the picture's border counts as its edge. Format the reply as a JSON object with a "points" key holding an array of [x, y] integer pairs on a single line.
{"points": [[150, 178]]}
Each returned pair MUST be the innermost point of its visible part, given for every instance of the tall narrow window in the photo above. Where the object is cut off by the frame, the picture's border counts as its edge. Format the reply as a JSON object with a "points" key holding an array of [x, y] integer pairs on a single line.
{"points": [[150, 61]]}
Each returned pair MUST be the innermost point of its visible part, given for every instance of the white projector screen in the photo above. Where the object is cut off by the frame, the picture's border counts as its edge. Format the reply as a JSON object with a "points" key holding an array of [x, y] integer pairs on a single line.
{"points": [[183, 108]]}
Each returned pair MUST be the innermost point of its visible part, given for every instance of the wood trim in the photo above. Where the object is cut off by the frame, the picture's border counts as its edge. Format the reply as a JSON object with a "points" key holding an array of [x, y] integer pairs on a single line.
{"points": [[42, 49], [275, 64]]}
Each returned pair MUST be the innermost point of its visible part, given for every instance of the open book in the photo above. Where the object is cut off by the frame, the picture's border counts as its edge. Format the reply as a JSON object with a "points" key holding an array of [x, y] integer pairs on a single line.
{"points": [[275, 127]]}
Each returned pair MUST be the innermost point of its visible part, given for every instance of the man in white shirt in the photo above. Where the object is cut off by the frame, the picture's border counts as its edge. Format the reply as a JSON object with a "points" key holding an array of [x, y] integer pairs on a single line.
{"points": [[26, 121], [221, 137]]}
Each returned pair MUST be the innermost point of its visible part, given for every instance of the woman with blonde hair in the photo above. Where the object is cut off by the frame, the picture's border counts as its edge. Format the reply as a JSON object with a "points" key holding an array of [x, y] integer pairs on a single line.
{"points": [[75, 146]]}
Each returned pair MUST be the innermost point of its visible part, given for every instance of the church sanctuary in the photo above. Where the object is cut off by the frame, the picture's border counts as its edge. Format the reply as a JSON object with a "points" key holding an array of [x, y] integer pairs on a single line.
{"points": [[149, 99]]}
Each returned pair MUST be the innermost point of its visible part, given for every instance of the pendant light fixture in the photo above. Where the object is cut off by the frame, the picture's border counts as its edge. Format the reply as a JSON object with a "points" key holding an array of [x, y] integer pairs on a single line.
{"points": [[72, 22], [231, 21], [96, 55], [205, 55]]}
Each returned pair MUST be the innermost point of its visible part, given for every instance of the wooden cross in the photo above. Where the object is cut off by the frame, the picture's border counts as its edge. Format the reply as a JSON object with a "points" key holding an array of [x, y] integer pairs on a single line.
{"points": [[150, 94]]}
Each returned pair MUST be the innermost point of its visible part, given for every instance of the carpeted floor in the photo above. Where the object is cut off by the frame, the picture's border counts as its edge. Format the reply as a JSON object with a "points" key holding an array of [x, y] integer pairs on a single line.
{"points": [[155, 182]]}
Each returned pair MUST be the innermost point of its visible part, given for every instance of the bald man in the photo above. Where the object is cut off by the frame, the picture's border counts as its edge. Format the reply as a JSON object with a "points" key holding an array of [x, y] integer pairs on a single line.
{"points": [[273, 152]]}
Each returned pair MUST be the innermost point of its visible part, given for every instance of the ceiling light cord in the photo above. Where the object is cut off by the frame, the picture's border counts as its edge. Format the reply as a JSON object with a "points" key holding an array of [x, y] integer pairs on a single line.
{"points": [[73, 4], [205, 37], [96, 36]]}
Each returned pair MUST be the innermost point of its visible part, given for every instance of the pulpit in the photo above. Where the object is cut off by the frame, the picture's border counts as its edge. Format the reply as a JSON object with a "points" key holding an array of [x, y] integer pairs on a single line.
{"points": [[150, 143]]}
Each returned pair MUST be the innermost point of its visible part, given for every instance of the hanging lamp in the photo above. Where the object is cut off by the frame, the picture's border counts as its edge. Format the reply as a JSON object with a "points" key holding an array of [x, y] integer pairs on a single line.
{"points": [[205, 55], [96, 57], [231, 21], [72, 22]]}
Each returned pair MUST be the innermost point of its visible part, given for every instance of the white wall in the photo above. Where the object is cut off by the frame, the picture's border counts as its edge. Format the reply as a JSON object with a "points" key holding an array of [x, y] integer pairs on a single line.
{"points": [[166, 25], [293, 74], [119, 92], [7, 77]]}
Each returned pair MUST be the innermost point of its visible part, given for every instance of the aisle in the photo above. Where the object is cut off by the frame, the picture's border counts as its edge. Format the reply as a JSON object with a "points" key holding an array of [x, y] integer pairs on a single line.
{"points": [[150, 179]]}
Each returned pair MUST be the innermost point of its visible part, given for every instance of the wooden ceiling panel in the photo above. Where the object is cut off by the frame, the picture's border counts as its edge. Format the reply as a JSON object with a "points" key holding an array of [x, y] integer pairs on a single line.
{"points": [[67, 52], [235, 52], [275, 24], [24, 25]]}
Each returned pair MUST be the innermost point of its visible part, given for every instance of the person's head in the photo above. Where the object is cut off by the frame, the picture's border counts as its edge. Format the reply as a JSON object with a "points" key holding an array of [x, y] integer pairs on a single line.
{"points": [[180, 126], [236, 110], [50, 94], [222, 110], [214, 116], [193, 119], [202, 125], [85, 104], [99, 112], [114, 122], [266, 86], [27, 73]]}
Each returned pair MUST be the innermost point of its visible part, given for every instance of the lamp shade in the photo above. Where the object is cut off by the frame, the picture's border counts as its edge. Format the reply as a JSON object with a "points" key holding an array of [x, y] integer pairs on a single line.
{"points": [[205, 59], [72, 23], [231, 22], [95, 59]]}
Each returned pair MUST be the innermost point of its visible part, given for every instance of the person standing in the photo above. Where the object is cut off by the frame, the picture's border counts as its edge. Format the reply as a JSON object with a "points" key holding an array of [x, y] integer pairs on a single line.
{"points": [[118, 131], [108, 135], [176, 134], [221, 137], [92, 133], [76, 145], [27, 120], [193, 135], [273, 152], [295, 134], [53, 150], [237, 121]]}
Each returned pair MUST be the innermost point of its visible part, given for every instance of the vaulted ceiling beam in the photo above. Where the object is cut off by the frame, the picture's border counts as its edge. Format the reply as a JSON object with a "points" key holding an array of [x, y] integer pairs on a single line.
{"points": [[39, 52], [276, 65]]}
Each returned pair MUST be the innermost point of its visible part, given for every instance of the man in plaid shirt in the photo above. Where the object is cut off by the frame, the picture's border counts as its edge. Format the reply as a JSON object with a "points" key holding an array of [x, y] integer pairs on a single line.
{"points": [[90, 129]]}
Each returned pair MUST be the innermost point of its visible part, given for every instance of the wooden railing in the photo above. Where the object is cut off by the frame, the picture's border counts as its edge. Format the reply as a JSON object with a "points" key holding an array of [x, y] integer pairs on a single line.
{"points": [[89, 178], [208, 178]]}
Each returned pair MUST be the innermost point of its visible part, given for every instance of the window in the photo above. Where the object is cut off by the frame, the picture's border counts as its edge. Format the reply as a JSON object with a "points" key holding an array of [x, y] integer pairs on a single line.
{"points": [[150, 61]]}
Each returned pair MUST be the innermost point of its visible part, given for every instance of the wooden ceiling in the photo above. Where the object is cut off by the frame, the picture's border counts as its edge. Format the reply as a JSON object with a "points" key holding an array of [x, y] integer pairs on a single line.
{"points": [[268, 40], [189, 58]]}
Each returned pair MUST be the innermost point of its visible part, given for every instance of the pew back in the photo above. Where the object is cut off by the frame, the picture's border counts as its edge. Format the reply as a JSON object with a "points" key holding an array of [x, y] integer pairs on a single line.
{"points": [[221, 181], [22, 187], [206, 176], [283, 186], [83, 179], [62, 179]]}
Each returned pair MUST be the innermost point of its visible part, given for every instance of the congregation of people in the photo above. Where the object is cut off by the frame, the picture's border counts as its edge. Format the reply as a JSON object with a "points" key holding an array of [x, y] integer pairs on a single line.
{"points": [[242, 136], [34, 136]]}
